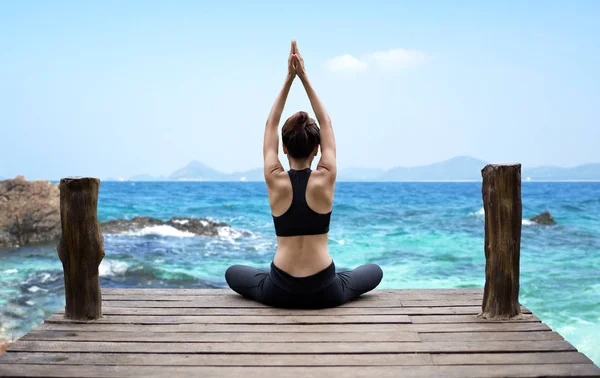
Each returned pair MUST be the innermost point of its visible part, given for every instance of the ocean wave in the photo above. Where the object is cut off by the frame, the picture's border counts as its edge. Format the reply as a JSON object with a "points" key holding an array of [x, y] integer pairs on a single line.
{"points": [[44, 278], [179, 227], [155, 275], [162, 230], [230, 233], [11, 271], [571, 207], [479, 213], [35, 289], [112, 268]]}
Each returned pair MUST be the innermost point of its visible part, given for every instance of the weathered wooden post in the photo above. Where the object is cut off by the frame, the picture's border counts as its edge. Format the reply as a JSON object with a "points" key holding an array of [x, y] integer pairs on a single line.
{"points": [[501, 191], [81, 247]]}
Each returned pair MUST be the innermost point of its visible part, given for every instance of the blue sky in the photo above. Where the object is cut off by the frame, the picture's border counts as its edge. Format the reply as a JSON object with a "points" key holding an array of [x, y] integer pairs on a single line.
{"points": [[113, 89]]}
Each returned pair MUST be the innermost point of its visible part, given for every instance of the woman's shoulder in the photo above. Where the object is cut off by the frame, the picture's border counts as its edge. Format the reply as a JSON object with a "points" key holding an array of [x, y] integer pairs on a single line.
{"points": [[322, 177]]}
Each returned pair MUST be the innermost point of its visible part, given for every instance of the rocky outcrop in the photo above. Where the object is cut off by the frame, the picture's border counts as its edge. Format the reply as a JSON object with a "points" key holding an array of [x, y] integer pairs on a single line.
{"points": [[543, 218], [29, 212], [192, 225]]}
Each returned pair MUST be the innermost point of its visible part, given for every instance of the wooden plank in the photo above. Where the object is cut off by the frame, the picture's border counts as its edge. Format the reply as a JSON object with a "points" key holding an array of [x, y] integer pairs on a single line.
{"points": [[212, 292], [224, 302], [489, 336], [169, 311], [240, 337], [292, 359], [450, 371], [231, 296], [511, 358], [216, 359], [270, 319], [274, 328], [287, 348], [161, 292], [235, 302], [441, 302], [382, 300], [419, 319]]}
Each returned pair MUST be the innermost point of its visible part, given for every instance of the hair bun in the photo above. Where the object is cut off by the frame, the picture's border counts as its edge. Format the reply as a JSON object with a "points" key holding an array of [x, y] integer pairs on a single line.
{"points": [[301, 120]]}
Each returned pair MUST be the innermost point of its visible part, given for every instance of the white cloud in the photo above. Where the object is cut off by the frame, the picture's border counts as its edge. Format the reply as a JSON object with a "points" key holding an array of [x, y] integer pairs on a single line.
{"points": [[389, 60], [397, 59], [346, 64]]}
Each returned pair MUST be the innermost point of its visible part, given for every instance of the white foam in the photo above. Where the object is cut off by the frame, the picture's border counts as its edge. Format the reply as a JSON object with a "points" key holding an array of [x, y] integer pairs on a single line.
{"points": [[228, 233], [204, 223], [181, 221], [112, 268], [35, 289], [30, 303], [45, 277], [11, 271], [159, 261], [162, 230], [479, 213]]}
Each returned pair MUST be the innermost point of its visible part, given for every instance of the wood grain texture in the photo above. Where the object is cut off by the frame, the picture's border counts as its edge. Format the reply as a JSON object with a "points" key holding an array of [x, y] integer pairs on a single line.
{"points": [[501, 192], [65, 358], [291, 347], [204, 334], [449, 371], [238, 337], [81, 247], [266, 319], [276, 328], [201, 311], [217, 359]]}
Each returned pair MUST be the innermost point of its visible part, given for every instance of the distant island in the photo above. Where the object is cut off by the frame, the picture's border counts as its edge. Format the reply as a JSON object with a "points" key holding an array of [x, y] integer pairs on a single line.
{"points": [[461, 168]]}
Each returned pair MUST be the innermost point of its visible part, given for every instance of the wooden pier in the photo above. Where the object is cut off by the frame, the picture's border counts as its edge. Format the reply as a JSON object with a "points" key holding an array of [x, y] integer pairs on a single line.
{"points": [[216, 333]]}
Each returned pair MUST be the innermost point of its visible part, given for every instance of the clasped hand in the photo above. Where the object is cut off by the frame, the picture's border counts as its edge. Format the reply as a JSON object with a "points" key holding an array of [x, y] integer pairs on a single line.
{"points": [[295, 63]]}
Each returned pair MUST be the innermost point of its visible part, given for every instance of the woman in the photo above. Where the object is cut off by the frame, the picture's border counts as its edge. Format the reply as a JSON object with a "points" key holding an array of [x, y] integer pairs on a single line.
{"points": [[302, 273]]}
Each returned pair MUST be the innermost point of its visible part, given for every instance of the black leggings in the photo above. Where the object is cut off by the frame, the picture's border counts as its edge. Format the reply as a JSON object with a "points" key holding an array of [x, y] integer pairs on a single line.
{"points": [[322, 290]]}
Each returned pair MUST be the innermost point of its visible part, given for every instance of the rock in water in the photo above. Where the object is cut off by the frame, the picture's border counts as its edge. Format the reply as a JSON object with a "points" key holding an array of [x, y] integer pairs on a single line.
{"points": [[543, 218], [29, 212], [193, 225]]}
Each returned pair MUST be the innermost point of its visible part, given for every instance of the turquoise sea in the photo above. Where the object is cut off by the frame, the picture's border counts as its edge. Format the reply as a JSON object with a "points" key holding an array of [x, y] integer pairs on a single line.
{"points": [[424, 235]]}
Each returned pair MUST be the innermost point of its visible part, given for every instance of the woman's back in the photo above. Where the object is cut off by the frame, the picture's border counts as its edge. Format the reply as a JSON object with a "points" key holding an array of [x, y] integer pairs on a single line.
{"points": [[301, 207]]}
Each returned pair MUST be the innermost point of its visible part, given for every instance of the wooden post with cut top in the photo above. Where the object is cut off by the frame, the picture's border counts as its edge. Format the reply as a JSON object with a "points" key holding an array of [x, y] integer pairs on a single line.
{"points": [[501, 192], [81, 247]]}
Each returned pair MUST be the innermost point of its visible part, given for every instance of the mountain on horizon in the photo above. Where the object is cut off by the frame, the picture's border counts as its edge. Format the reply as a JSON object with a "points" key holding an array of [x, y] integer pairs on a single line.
{"points": [[197, 171], [457, 168], [460, 168], [546, 173]]}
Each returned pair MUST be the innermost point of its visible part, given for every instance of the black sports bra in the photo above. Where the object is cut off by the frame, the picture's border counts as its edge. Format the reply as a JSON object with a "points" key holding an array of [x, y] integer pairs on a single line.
{"points": [[300, 219]]}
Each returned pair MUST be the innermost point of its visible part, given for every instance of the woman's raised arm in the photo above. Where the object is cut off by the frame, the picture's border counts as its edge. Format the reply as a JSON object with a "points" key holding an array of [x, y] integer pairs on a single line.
{"points": [[272, 165], [328, 161]]}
